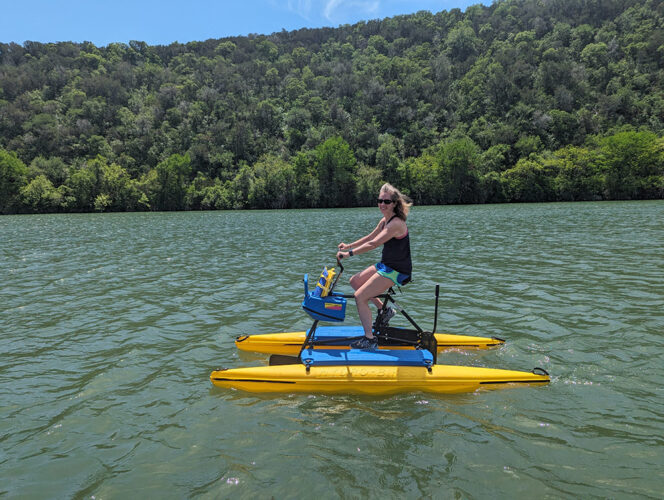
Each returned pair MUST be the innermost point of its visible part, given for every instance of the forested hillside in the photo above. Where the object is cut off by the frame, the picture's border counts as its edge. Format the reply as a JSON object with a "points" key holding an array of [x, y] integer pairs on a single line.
{"points": [[523, 100]]}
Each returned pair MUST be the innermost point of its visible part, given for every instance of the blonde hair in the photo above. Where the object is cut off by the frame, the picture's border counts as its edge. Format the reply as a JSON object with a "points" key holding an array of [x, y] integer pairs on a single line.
{"points": [[402, 203]]}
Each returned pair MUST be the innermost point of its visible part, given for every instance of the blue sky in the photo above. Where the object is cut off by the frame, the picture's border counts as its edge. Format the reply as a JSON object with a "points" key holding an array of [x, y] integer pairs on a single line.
{"points": [[165, 21]]}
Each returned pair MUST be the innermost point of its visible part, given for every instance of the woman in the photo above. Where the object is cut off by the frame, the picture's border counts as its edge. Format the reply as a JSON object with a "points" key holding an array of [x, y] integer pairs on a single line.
{"points": [[395, 266]]}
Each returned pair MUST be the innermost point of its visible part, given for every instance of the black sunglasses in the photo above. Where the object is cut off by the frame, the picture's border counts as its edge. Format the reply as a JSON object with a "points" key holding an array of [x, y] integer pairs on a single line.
{"points": [[387, 202]]}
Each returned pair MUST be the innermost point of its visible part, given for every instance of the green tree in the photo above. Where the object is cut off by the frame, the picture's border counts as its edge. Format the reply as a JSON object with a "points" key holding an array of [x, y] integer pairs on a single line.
{"points": [[41, 135], [53, 168], [102, 202], [42, 197], [298, 121], [527, 181], [369, 182], [458, 160], [273, 184], [491, 188], [240, 187], [494, 159], [197, 191], [148, 188], [421, 179], [172, 179], [268, 118], [85, 183], [527, 145], [627, 160], [578, 174], [335, 165], [13, 176], [387, 160], [120, 191], [462, 41], [307, 185]]}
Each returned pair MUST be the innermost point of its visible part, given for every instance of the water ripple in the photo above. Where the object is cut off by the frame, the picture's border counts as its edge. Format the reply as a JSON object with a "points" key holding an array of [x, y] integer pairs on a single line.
{"points": [[111, 324]]}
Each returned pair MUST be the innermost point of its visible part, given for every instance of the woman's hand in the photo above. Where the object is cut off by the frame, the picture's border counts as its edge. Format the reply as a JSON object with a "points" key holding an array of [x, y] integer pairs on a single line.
{"points": [[342, 255], [344, 246]]}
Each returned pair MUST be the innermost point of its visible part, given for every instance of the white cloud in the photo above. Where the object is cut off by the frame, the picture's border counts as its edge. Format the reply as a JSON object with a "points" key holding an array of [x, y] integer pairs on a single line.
{"points": [[336, 9], [300, 7]]}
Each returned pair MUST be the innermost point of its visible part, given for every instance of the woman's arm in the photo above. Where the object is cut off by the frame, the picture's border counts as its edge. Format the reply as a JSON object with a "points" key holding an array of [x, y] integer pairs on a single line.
{"points": [[376, 238], [364, 239]]}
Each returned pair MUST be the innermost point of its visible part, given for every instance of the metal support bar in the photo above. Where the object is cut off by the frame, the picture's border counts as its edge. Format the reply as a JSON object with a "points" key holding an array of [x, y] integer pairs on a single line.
{"points": [[435, 313], [310, 336]]}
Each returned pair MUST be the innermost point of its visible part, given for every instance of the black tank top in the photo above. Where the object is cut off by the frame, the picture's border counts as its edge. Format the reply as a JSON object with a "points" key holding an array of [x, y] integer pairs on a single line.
{"points": [[396, 253]]}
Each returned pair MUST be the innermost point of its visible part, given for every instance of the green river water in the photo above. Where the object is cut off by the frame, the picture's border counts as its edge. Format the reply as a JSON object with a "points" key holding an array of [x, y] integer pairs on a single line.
{"points": [[112, 323]]}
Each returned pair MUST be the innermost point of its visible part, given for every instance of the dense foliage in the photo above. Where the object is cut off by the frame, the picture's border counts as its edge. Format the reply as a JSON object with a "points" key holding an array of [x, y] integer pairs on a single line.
{"points": [[524, 100]]}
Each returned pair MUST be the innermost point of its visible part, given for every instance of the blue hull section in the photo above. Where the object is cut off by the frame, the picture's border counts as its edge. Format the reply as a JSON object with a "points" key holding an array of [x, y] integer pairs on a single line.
{"points": [[329, 333], [366, 357]]}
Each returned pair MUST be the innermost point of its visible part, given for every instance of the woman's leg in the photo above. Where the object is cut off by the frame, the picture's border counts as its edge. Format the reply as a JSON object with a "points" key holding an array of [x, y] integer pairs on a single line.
{"points": [[359, 279], [374, 285]]}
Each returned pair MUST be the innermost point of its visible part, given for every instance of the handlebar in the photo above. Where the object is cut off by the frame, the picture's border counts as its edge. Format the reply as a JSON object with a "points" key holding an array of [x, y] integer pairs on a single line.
{"points": [[341, 270]]}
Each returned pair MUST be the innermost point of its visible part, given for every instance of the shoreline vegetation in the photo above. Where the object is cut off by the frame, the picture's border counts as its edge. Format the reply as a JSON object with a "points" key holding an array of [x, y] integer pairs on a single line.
{"points": [[520, 101]]}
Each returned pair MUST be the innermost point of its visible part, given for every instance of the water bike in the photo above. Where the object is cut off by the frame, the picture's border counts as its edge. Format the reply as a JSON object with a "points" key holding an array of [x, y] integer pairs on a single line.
{"points": [[321, 360], [332, 309]]}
